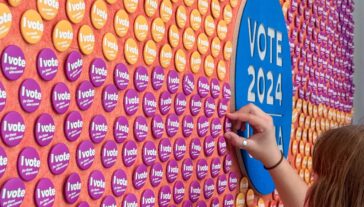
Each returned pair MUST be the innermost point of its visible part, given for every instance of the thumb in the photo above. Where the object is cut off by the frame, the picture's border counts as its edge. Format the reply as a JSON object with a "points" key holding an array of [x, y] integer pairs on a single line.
{"points": [[240, 142]]}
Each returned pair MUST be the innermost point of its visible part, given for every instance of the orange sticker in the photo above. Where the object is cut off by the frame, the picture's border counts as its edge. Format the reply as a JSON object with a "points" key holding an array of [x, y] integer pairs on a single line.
{"points": [[222, 29], [110, 46], [310, 109], [244, 184], [14, 3], [301, 147], [202, 43], [261, 202], [158, 29], [195, 62], [31, 26], [131, 5], [166, 10], [150, 7], [149, 52], [75, 10], [62, 35], [141, 28], [304, 162], [221, 70], [6, 20], [309, 163], [298, 133], [250, 197], [240, 200], [180, 60], [294, 147], [304, 106], [181, 16], [48, 9], [301, 120], [111, 1], [298, 161], [307, 176], [307, 122], [307, 149], [215, 47], [301, 173], [195, 20], [173, 36], [209, 25], [121, 23], [215, 9], [234, 3], [189, 2], [209, 65], [131, 51], [304, 135], [165, 56], [203, 6], [86, 39], [99, 14], [299, 104], [228, 50], [228, 13], [189, 38]]}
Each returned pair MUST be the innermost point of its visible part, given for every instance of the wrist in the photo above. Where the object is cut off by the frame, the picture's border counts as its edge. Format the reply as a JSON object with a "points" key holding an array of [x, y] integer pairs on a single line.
{"points": [[273, 158]]}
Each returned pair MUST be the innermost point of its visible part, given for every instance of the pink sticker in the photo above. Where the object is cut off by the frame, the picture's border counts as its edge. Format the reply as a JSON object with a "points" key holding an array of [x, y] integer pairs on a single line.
{"points": [[215, 167], [156, 174], [73, 66], [3, 161], [149, 153], [194, 191], [30, 95], [61, 98], [165, 102], [157, 77], [98, 128], [201, 203], [108, 201], [195, 148], [215, 202], [187, 203], [44, 193], [119, 182], [195, 104], [28, 164], [215, 127], [187, 169], [221, 184], [228, 162], [233, 181], [179, 149], [228, 200], [172, 125], [203, 86], [149, 104], [165, 149], [208, 188], [226, 91], [172, 171], [130, 152], [202, 126], [13, 62], [85, 155], [201, 169], [180, 103], [147, 199], [12, 192], [58, 158], [209, 106], [110, 97], [121, 129], [209, 146], [164, 196], [172, 81], [109, 154], [222, 107], [187, 125], [47, 64], [96, 184], [130, 200], [140, 176], [83, 204], [85, 95], [141, 78], [221, 146], [140, 128], [98, 72], [157, 126], [44, 129], [12, 128], [121, 76], [73, 126], [188, 84], [3, 96], [215, 88], [227, 125], [178, 192], [131, 102], [72, 188]]}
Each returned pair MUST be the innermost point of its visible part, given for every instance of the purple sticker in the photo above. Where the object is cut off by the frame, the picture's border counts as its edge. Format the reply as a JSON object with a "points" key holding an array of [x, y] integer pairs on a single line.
{"points": [[233, 181], [203, 86], [109, 154], [201, 204], [12, 192], [195, 148], [3, 96], [73, 66], [221, 146], [12, 128], [108, 201], [156, 174], [194, 191], [180, 103], [83, 204], [178, 192], [195, 104], [149, 104], [172, 125], [165, 149], [215, 167], [110, 97], [221, 183], [3, 161], [140, 128], [188, 84], [215, 202], [209, 146], [44, 129], [119, 182], [226, 91], [98, 72], [58, 158], [85, 155], [202, 126], [228, 162], [216, 127], [164, 196], [130, 200], [187, 203], [227, 125], [215, 88], [121, 76], [130, 152], [157, 77], [157, 126], [98, 128], [140, 176], [147, 199], [222, 107], [121, 129], [131, 102], [202, 168], [165, 102], [187, 125], [141, 78], [73, 126], [72, 188], [187, 169], [44, 193], [149, 153], [172, 171], [208, 188], [13, 62], [179, 149], [228, 200], [47, 64], [30, 95], [210, 107], [172, 81], [28, 163], [85, 95], [96, 184], [61, 98]]}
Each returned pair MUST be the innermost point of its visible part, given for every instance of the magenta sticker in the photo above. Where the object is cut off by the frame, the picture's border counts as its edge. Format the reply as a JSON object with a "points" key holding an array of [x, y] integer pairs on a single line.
{"points": [[215, 167], [201, 169], [227, 125], [172, 171], [156, 174], [109, 154], [131, 102], [140, 176], [3, 161], [140, 128], [121, 129], [178, 192], [215, 127], [179, 149], [172, 81], [165, 102], [73, 126], [98, 128], [157, 77], [58, 158], [172, 125], [165, 149], [195, 148], [203, 86], [44, 193], [149, 104], [61, 98], [110, 97], [157, 126], [85, 95], [187, 125], [83, 204], [194, 191], [72, 188], [96, 184], [47, 64], [209, 146], [44, 129], [28, 163], [209, 106], [187, 169], [222, 107], [221, 146], [85, 155], [164, 196], [215, 202], [180, 103], [119, 182], [195, 104], [141, 78], [149, 153], [201, 203], [208, 188], [108, 201], [73, 66], [98, 72], [228, 162], [147, 199], [226, 91], [215, 88], [130, 152], [188, 84], [130, 200], [228, 200], [30, 95], [3, 96], [202, 126], [12, 128], [13, 62], [221, 183], [233, 181], [187, 203], [12, 192], [121, 76]]}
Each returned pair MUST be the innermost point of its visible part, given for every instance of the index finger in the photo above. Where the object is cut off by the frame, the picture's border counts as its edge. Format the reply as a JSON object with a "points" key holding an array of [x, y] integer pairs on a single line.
{"points": [[255, 121]]}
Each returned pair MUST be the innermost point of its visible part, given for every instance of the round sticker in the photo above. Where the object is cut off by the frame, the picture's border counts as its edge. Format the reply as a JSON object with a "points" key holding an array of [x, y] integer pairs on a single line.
{"points": [[158, 29], [149, 153], [121, 23], [86, 39], [229, 200], [228, 13], [62, 35], [215, 167], [187, 125], [195, 148], [30, 95], [3, 161], [98, 14], [215, 88], [203, 6], [75, 10], [222, 29], [140, 176], [209, 25], [203, 86], [157, 77], [228, 50], [178, 192], [187, 169], [110, 97], [121, 76], [221, 184], [164, 196], [165, 102], [194, 191], [44, 193], [216, 127], [12, 62], [202, 126], [156, 174], [215, 9], [233, 181], [58, 158], [73, 126], [181, 16], [201, 169], [172, 81], [221, 70], [31, 26], [131, 51], [130, 152], [209, 65], [209, 106], [110, 46], [121, 129], [44, 129], [188, 38], [227, 163], [215, 47], [12, 128], [98, 128], [47, 64], [85, 155], [108, 201], [173, 35], [130, 199], [98, 72], [119, 182], [208, 188], [28, 164], [147, 199], [202, 43], [195, 104], [180, 60], [140, 128], [165, 149], [72, 188], [179, 148], [166, 10], [157, 126], [3, 96], [96, 184], [7, 19], [188, 84], [165, 55], [149, 104], [195, 62], [83, 204], [195, 19], [131, 102], [73, 66], [150, 7], [172, 125], [141, 28], [180, 103], [141, 78], [130, 5], [12, 192], [85, 95], [149, 52], [209, 146], [48, 9], [61, 98]]}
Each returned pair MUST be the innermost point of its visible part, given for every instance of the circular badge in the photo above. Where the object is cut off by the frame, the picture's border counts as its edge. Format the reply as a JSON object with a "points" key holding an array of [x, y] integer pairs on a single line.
{"points": [[121, 23], [121, 129], [216, 127], [73, 66], [86, 39], [30, 95], [110, 47], [28, 163], [98, 72], [187, 169], [202, 126], [179, 149], [98, 14], [85, 155], [188, 83], [165, 149], [85, 95], [3, 96], [119, 182], [62, 35], [47, 64], [3, 161], [108, 201], [166, 10], [157, 77], [195, 19], [98, 128], [31, 26], [195, 62], [195, 148], [181, 16], [194, 191], [130, 199], [131, 51], [72, 188], [188, 38], [221, 70], [209, 107], [83, 204], [221, 184], [12, 62], [187, 125], [233, 181], [58, 158], [44, 129], [158, 29], [140, 176], [178, 192], [165, 102], [228, 50], [173, 35], [149, 153], [141, 78], [180, 60], [130, 152], [195, 104], [229, 200], [215, 167], [150, 7], [172, 125], [202, 43], [44, 193], [96, 184], [13, 192], [165, 55], [215, 47], [73, 126], [7, 19], [172, 81], [141, 28], [156, 174], [75, 10], [209, 25], [149, 104], [110, 97], [203, 86], [131, 102], [164, 196], [201, 169], [180, 103], [140, 128], [149, 52], [209, 66], [209, 146], [130, 5], [208, 188], [12, 128], [121, 76], [147, 199], [61, 98], [157, 126]]}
